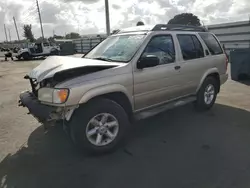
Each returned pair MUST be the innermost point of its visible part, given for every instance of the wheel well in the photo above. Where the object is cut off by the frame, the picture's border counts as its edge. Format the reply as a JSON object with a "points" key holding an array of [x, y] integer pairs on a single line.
{"points": [[121, 99], [217, 78]]}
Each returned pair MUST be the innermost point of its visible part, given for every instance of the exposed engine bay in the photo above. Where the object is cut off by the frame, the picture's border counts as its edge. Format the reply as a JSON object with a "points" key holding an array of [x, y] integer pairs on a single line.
{"points": [[64, 76]]}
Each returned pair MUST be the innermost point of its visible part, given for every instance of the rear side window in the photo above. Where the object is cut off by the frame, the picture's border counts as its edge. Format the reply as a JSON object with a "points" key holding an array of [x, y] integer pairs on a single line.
{"points": [[198, 47], [212, 43], [191, 47]]}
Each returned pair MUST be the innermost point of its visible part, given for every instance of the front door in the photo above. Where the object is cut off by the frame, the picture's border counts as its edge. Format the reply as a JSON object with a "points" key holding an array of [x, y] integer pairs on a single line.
{"points": [[156, 85]]}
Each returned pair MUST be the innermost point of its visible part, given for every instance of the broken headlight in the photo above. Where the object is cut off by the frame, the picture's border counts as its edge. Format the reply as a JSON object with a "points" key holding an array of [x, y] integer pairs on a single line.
{"points": [[51, 95], [60, 96]]}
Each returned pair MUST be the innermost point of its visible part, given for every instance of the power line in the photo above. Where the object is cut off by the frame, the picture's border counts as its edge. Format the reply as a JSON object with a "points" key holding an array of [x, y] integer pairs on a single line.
{"points": [[30, 10], [29, 13], [27, 19]]}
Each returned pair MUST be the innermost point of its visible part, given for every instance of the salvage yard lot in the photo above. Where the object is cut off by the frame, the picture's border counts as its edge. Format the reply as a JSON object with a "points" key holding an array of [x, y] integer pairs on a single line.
{"points": [[178, 148]]}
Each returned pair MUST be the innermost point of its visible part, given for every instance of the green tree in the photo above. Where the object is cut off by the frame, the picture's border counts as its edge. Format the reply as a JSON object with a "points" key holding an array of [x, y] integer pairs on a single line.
{"points": [[27, 33], [185, 19], [140, 23], [115, 31], [40, 39], [58, 37], [72, 35], [51, 39]]}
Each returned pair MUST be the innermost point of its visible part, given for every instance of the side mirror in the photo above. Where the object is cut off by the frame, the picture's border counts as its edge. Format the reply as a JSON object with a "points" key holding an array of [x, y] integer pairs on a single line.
{"points": [[148, 61]]}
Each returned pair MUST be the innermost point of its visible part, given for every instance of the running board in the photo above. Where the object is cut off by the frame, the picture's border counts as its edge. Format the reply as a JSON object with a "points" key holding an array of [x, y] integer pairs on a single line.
{"points": [[156, 110]]}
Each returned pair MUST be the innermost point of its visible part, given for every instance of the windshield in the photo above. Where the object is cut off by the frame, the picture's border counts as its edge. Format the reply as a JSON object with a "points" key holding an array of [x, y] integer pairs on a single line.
{"points": [[117, 48]]}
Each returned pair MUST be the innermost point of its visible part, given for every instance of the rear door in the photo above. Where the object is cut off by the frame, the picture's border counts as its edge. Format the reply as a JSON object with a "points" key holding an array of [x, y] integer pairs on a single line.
{"points": [[217, 57], [193, 62]]}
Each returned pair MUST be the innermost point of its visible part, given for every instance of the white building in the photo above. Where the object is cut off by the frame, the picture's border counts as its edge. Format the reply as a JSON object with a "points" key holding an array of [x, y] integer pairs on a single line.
{"points": [[233, 35]]}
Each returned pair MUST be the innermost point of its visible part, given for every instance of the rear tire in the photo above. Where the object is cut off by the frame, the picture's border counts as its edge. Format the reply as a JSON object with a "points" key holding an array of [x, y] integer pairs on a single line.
{"points": [[90, 131], [207, 94], [54, 52]]}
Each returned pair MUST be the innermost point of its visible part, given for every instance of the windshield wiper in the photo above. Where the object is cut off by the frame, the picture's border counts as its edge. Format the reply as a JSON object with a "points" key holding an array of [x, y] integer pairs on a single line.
{"points": [[103, 59]]}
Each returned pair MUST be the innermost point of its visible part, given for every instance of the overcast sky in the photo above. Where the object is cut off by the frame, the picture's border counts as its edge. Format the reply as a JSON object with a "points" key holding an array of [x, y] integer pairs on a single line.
{"points": [[88, 16]]}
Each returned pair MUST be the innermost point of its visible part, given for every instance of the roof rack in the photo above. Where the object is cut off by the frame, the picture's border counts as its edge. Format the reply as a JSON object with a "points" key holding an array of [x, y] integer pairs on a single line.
{"points": [[178, 27]]}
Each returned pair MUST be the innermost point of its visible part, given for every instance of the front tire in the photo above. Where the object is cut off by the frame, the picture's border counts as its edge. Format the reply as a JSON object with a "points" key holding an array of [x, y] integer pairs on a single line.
{"points": [[207, 94], [26, 56], [99, 126]]}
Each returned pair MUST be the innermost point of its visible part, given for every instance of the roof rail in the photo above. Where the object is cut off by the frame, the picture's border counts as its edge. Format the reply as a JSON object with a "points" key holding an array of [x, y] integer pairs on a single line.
{"points": [[178, 27]]}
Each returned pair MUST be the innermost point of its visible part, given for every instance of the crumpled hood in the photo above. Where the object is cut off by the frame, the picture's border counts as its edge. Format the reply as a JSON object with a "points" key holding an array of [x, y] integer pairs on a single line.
{"points": [[55, 64]]}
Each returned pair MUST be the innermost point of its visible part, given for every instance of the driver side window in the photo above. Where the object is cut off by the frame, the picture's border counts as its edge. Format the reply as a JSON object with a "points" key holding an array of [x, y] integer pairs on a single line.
{"points": [[161, 46]]}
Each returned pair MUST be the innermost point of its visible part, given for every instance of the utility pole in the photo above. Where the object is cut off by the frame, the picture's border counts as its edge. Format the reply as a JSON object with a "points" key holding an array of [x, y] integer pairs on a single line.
{"points": [[78, 26], [39, 14], [107, 17], [16, 29], [9, 34], [5, 33]]}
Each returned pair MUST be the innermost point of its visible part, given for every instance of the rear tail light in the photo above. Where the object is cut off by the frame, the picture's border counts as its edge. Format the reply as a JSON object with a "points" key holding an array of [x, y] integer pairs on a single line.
{"points": [[224, 49], [226, 61]]}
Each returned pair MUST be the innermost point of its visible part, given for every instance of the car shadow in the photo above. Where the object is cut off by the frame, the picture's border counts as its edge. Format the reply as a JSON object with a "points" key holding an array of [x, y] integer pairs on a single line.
{"points": [[33, 59], [246, 82], [178, 148], [244, 79]]}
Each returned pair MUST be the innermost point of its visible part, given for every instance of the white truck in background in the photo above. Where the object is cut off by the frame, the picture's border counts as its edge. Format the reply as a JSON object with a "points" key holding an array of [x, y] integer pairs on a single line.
{"points": [[38, 50]]}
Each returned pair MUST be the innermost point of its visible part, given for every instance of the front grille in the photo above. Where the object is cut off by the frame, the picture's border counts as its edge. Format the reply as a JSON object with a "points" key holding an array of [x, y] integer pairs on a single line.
{"points": [[34, 86]]}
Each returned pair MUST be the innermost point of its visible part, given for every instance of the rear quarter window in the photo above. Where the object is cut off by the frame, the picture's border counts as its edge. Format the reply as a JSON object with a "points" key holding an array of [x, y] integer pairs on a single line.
{"points": [[212, 43]]}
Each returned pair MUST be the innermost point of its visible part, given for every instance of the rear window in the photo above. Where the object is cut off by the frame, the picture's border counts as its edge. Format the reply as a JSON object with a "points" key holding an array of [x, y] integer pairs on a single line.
{"points": [[190, 47], [212, 43]]}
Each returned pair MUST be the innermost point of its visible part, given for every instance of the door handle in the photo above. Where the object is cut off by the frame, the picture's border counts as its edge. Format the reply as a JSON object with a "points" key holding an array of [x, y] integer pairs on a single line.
{"points": [[177, 67]]}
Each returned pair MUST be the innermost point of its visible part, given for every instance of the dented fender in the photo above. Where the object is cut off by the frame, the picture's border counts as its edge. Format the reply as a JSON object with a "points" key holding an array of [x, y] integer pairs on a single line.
{"points": [[102, 90], [95, 92]]}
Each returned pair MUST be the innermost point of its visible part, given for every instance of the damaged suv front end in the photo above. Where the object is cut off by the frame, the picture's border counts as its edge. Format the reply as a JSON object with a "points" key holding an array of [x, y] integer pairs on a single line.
{"points": [[43, 112], [85, 92], [48, 100], [45, 104]]}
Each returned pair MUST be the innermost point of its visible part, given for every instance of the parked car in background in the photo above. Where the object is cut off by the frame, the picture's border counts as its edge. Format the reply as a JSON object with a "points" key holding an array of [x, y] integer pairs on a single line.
{"points": [[38, 50], [133, 74]]}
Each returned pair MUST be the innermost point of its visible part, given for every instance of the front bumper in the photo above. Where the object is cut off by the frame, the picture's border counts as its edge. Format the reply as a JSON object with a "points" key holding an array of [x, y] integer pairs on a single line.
{"points": [[18, 55], [43, 113]]}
